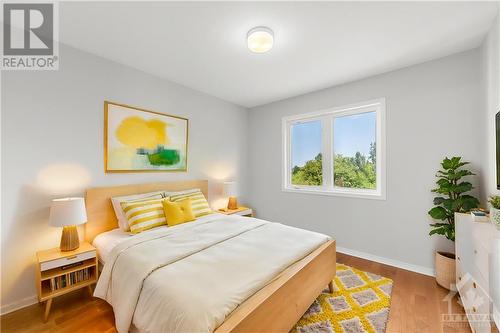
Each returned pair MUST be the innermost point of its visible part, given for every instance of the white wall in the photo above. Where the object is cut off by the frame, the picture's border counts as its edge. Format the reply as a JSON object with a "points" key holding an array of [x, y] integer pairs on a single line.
{"points": [[432, 112], [490, 52], [52, 145]]}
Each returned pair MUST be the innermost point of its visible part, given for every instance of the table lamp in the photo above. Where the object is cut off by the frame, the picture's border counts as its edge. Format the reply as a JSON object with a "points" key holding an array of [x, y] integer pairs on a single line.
{"points": [[231, 190], [68, 213]]}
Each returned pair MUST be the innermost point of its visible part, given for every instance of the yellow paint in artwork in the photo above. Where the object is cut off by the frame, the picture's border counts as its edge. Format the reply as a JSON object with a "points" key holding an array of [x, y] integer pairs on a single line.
{"points": [[137, 132], [159, 126]]}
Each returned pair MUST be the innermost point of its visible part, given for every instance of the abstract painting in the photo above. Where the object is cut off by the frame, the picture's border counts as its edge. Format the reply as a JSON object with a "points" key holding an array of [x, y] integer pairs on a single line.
{"points": [[141, 140]]}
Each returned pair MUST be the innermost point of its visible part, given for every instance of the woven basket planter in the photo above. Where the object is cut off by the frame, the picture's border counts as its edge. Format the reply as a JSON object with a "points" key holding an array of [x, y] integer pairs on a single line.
{"points": [[445, 270]]}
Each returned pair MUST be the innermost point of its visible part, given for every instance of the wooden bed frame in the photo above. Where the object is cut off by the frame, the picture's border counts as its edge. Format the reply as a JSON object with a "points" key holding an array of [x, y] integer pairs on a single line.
{"points": [[275, 308]]}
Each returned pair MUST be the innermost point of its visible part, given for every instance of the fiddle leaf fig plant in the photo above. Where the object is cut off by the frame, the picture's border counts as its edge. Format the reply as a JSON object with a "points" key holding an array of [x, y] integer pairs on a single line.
{"points": [[452, 197]]}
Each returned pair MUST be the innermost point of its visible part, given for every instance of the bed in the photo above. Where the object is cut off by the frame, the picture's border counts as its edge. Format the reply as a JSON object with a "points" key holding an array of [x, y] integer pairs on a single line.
{"points": [[217, 274]]}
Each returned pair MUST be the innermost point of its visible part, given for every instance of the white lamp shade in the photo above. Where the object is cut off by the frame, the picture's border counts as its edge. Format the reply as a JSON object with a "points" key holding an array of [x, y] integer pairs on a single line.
{"points": [[231, 189], [67, 211]]}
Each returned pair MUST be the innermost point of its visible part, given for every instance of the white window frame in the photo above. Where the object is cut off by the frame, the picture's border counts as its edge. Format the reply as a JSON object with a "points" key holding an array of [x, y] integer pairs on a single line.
{"points": [[326, 117]]}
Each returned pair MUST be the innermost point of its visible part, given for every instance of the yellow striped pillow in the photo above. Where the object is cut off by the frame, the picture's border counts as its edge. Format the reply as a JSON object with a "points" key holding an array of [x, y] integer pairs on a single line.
{"points": [[120, 215], [144, 215], [199, 204]]}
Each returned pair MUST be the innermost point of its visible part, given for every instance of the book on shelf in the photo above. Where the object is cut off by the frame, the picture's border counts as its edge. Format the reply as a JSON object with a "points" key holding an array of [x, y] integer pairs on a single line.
{"points": [[69, 279]]}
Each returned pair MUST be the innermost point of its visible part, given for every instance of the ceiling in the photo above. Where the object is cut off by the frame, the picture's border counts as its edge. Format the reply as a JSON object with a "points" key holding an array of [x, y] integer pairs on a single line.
{"points": [[317, 45]]}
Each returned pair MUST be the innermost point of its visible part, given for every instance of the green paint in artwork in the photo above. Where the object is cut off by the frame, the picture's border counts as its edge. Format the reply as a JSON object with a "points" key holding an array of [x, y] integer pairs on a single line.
{"points": [[164, 157]]}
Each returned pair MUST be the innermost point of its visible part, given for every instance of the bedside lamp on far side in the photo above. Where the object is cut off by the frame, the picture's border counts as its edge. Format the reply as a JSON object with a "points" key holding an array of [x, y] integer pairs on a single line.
{"points": [[231, 190], [68, 213]]}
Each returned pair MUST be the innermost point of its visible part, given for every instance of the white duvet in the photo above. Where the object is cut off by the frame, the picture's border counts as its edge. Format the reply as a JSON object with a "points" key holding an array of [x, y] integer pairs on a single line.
{"points": [[190, 277]]}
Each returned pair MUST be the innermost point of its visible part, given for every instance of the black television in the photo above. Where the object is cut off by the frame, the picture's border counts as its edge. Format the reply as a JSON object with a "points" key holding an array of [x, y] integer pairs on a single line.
{"points": [[497, 130]]}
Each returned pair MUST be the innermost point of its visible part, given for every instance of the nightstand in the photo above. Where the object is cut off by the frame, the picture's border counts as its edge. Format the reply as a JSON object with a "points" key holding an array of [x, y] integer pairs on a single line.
{"points": [[58, 273], [243, 211]]}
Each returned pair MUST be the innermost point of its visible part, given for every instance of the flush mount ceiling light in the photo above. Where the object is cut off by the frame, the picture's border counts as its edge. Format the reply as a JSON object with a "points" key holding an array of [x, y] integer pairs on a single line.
{"points": [[260, 39]]}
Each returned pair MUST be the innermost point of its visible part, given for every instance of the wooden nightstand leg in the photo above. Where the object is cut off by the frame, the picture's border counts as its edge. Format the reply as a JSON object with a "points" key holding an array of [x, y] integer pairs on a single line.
{"points": [[330, 287], [47, 310], [90, 290]]}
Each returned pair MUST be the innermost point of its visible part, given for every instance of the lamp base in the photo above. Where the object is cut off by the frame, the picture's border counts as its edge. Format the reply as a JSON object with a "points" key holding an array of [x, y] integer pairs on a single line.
{"points": [[69, 239], [232, 203]]}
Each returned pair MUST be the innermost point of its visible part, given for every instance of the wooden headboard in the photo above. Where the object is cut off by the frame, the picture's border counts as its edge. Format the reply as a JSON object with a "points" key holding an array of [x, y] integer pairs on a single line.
{"points": [[100, 214]]}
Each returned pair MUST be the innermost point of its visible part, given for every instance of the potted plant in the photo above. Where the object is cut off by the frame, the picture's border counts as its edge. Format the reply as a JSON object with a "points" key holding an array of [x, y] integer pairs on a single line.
{"points": [[495, 210], [451, 199]]}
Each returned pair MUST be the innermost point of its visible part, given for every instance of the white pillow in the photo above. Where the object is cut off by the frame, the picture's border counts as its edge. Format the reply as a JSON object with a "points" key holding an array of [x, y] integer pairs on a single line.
{"points": [[120, 214]]}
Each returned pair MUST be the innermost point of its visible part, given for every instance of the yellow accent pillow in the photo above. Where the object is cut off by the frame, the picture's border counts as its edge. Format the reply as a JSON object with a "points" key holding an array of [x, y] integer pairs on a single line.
{"points": [[178, 212]]}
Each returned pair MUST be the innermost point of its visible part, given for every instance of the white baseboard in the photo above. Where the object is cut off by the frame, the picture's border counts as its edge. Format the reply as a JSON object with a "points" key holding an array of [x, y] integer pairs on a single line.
{"points": [[387, 261], [18, 304]]}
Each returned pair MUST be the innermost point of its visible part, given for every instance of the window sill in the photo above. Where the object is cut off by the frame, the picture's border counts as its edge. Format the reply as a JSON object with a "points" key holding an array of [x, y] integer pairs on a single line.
{"points": [[373, 195]]}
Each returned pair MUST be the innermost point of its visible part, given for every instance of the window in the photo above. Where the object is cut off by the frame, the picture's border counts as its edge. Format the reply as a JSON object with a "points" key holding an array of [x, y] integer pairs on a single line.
{"points": [[354, 151], [337, 151], [306, 153]]}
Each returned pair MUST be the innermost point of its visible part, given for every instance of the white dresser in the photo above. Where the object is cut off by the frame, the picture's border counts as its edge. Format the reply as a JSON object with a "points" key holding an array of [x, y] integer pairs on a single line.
{"points": [[477, 247]]}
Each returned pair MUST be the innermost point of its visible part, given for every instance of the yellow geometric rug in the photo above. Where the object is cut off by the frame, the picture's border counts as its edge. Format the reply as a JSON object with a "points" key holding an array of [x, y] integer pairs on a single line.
{"points": [[359, 304]]}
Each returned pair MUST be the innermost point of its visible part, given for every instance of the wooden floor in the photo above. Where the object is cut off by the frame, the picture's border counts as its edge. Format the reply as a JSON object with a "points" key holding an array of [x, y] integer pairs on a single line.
{"points": [[417, 305], [416, 300]]}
